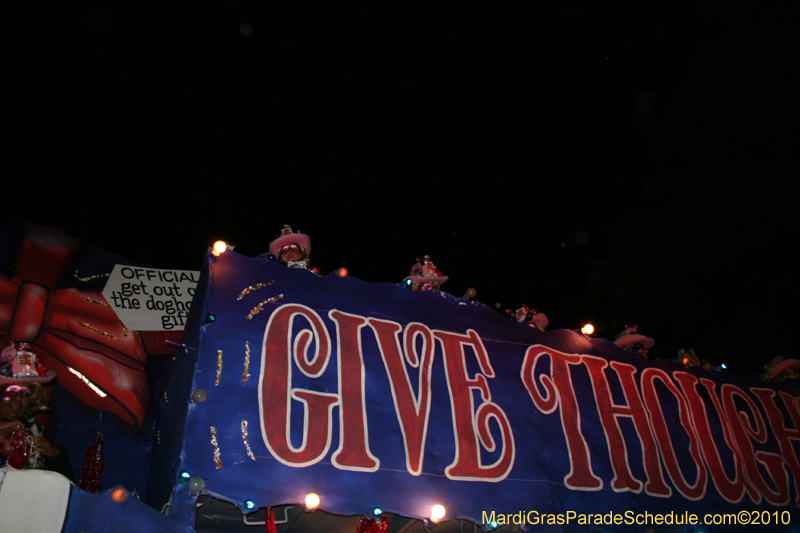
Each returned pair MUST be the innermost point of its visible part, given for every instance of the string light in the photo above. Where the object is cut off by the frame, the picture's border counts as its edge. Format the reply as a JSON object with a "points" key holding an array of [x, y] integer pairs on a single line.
{"points": [[437, 512], [119, 495], [312, 500], [220, 247]]}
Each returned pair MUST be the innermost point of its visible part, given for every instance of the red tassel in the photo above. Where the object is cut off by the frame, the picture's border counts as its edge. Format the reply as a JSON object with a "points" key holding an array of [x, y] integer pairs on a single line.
{"points": [[370, 525], [269, 521], [93, 466]]}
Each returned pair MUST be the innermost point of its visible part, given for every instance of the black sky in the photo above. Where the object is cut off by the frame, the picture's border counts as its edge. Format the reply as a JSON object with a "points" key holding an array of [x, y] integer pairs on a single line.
{"points": [[487, 137]]}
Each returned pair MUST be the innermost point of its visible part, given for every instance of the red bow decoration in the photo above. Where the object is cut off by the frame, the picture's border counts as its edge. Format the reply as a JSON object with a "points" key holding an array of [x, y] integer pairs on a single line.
{"points": [[72, 328]]}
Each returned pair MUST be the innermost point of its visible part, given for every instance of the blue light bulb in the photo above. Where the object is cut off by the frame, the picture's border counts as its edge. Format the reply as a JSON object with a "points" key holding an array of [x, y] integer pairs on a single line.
{"points": [[249, 505]]}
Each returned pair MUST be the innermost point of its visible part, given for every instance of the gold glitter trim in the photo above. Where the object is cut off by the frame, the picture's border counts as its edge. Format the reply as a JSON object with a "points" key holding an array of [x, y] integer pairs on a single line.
{"points": [[219, 367], [260, 307], [90, 278], [104, 304], [253, 288], [246, 374], [90, 328], [96, 302], [165, 398], [217, 459], [246, 442]]}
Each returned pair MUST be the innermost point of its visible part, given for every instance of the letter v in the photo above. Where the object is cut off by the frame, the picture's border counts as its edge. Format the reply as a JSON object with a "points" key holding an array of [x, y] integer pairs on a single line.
{"points": [[412, 411]]}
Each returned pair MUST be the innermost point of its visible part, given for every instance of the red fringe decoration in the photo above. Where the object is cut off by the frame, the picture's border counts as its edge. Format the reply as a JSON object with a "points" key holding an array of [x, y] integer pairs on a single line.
{"points": [[93, 466], [269, 521], [370, 525]]}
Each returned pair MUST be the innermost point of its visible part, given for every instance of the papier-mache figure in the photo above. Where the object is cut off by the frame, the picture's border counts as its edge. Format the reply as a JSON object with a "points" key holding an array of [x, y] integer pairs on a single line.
{"points": [[21, 395], [532, 317], [631, 339], [424, 276], [291, 249]]}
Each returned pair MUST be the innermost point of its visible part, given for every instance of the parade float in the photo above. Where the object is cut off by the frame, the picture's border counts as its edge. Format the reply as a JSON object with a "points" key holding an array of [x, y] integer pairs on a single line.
{"points": [[388, 403]]}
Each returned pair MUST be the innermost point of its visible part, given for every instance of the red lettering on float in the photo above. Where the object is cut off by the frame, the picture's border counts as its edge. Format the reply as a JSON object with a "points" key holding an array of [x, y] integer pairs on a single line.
{"points": [[353, 452], [467, 464], [412, 411], [634, 409], [731, 490], [784, 435], [742, 430], [275, 393], [561, 393], [691, 492]]}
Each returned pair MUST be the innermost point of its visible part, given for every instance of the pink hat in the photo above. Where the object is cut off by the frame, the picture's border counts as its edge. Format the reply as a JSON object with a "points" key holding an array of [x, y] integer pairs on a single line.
{"points": [[21, 365], [630, 335], [424, 271], [287, 236]]}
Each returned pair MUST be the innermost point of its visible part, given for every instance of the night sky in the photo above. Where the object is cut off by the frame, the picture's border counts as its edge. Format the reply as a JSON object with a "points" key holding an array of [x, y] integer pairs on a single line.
{"points": [[596, 163]]}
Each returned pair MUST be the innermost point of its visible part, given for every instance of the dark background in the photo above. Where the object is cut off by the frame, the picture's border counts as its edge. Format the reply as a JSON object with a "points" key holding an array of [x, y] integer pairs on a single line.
{"points": [[619, 165]]}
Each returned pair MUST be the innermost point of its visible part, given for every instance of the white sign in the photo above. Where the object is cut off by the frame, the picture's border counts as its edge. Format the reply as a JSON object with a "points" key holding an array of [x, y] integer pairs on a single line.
{"points": [[150, 299]]}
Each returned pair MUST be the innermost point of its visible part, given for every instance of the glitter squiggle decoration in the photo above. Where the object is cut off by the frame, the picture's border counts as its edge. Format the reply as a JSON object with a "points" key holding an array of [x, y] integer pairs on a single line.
{"points": [[253, 288], [90, 278], [246, 442], [217, 459], [260, 307], [96, 302], [219, 367], [166, 399], [246, 373], [90, 328], [104, 304]]}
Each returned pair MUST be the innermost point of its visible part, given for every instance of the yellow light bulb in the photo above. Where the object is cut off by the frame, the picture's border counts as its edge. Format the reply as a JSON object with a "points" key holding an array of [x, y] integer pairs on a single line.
{"points": [[588, 329], [312, 500], [437, 512], [219, 247]]}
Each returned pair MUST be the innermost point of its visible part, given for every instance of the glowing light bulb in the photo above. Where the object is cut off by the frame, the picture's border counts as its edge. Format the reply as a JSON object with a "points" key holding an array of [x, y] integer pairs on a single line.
{"points": [[377, 511], [342, 272], [312, 500], [588, 329], [119, 495], [437, 512], [219, 247], [196, 485], [249, 505]]}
